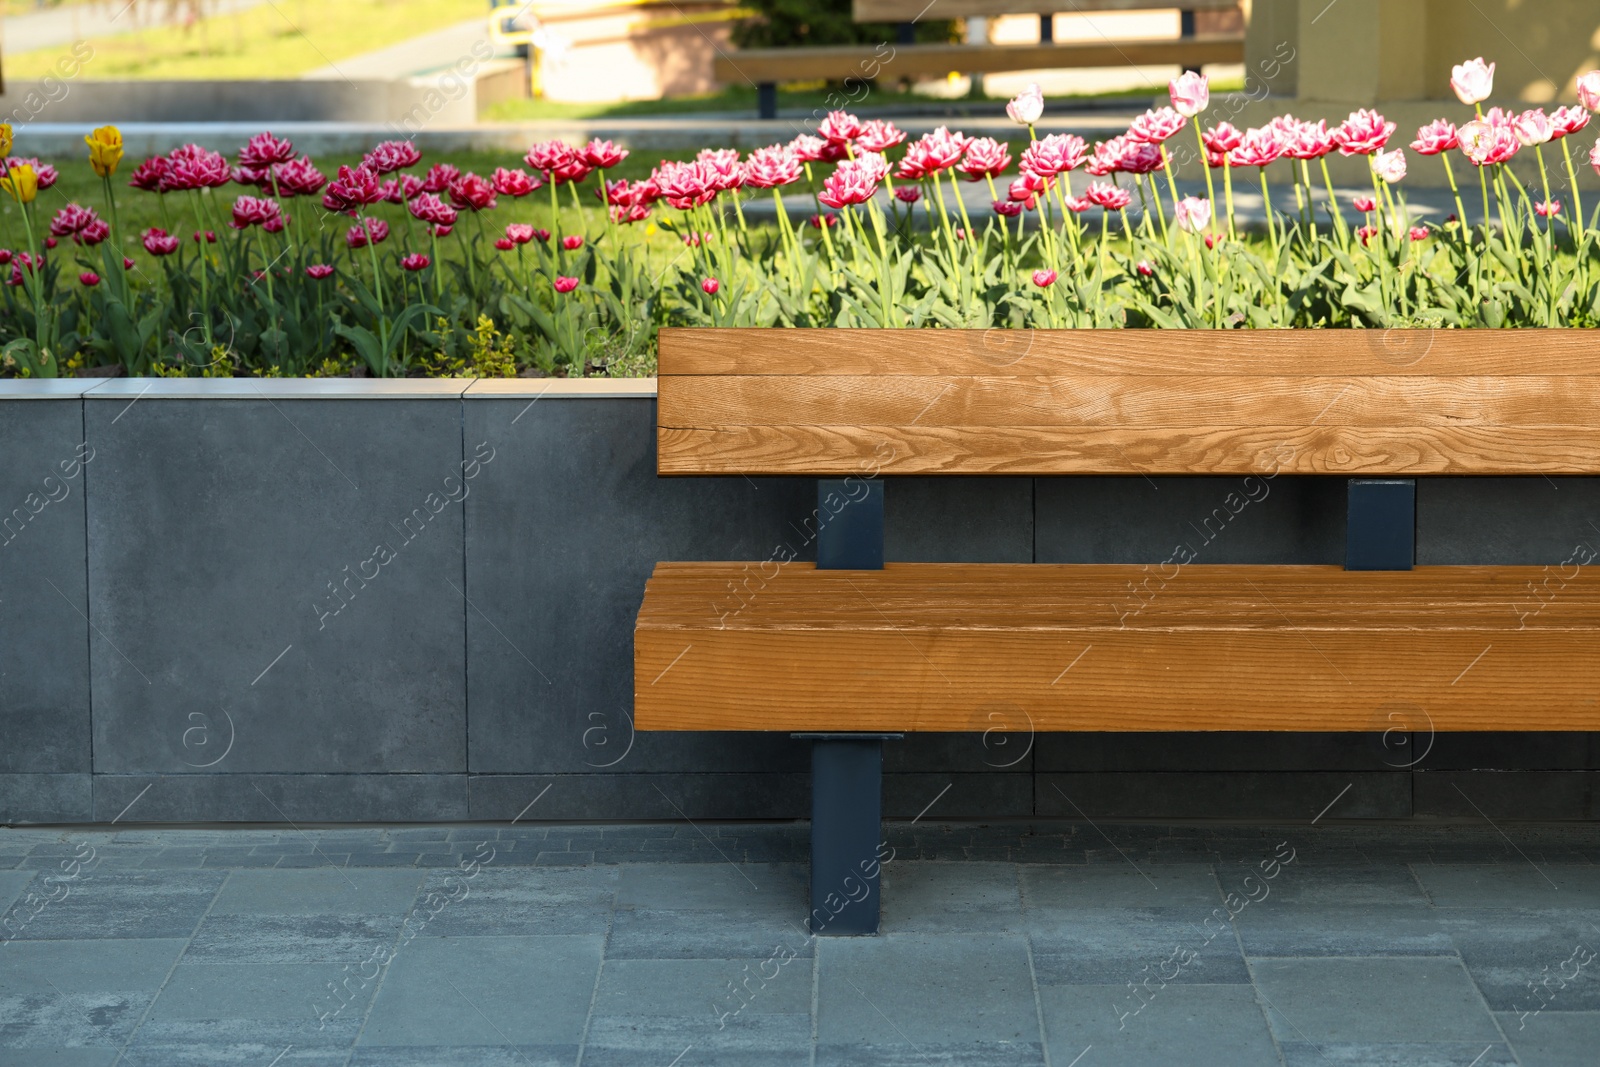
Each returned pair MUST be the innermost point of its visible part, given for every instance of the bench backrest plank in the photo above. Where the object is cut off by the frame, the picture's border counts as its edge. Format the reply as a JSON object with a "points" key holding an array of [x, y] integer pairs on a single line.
{"points": [[1349, 402], [922, 10]]}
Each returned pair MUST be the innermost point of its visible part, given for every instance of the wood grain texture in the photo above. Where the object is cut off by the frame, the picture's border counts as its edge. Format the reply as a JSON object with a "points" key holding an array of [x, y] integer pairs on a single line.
{"points": [[909, 10], [866, 61], [942, 647], [1352, 402]]}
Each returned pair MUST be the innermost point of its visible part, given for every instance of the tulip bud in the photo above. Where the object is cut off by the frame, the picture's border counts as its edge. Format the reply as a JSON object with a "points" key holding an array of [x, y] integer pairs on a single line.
{"points": [[711, 285], [1473, 81], [1026, 107]]}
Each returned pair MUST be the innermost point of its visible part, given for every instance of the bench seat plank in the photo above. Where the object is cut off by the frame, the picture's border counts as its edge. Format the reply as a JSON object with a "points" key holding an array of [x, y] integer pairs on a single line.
{"points": [[920, 10], [951, 647], [1350, 402]]}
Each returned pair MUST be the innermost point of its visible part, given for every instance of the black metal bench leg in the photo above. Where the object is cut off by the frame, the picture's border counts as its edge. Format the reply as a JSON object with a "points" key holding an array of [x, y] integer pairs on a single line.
{"points": [[1047, 29], [1186, 30], [905, 33], [846, 829], [767, 100], [1381, 527]]}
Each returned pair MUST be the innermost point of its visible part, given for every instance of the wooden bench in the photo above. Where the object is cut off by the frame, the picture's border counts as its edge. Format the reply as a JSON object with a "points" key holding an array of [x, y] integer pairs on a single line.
{"points": [[853, 650], [766, 67]]}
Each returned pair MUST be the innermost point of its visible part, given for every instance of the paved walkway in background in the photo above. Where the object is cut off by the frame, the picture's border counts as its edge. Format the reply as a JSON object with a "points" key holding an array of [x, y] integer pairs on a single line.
{"points": [[102, 18], [1057, 943], [429, 53]]}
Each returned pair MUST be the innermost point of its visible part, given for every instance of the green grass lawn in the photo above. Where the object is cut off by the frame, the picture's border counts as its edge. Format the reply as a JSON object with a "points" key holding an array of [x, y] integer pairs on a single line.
{"points": [[282, 39]]}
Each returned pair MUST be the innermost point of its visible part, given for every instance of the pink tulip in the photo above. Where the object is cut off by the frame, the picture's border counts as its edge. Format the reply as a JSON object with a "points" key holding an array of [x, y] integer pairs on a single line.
{"points": [[89, 278], [1192, 214], [907, 194], [514, 183], [874, 168], [1056, 154], [1304, 140], [1390, 166], [1367, 233], [1364, 204], [810, 149], [1026, 107], [319, 271], [1191, 93], [415, 262], [519, 233], [1487, 143], [684, 185], [572, 242], [1420, 233], [1260, 148], [602, 154], [985, 158], [723, 168], [1589, 90], [300, 177], [264, 150], [158, 242], [1473, 81], [1044, 279], [770, 167], [1548, 209], [387, 158], [933, 153], [357, 237], [850, 183], [1219, 141], [1026, 189], [819, 221], [1108, 196], [839, 127], [1568, 120], [1145, 268], [711, 285], [1008, 208], [879, 136], [1363, 133], [564, 285], [1533, 128], [504, 244], [1594, 158], [429, 208], [1077, 204], [1436, 137], [1155, 127]]}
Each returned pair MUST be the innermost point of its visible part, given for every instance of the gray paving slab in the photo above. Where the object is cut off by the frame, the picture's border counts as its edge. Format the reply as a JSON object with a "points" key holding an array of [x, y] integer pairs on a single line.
{"points": [[271, 1005], [61, 1057], [1554, 1039], [1372, 1001], [1169, 946], [1051, 892], [514, 902], [960, 992], [1516, 885], [88, 993], [1367, 930], [1397, 1054], [1529, 961], [121, 904], [318, 891], [523, 991], [923, 897], [1221, 1024]]}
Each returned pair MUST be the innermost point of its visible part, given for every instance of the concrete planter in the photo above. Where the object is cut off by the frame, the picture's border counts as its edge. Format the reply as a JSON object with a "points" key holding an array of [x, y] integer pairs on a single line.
{"points": [[329, 601]]}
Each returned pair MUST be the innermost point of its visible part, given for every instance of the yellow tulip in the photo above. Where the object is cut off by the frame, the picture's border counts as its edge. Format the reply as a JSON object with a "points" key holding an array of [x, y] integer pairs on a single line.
{"points": [[105, 150], [5, 138], [21, 183]]}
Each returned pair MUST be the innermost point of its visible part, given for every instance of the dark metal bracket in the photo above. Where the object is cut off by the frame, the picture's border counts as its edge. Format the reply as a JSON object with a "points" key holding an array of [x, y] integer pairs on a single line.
{"points": [[1381, 527]]}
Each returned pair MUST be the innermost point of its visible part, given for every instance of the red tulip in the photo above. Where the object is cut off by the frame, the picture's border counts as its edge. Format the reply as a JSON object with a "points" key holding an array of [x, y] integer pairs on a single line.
{"points": [[439, 177], [572, 242], [50, 242], [1366, 233], [1548, 209], [300, 177], [210, 236], [504, 244], [1364, 204], [1420, 233], [353, 189], [541, 235], [1145, 268], [5, 256], [819, 221], [711, 285], [377, 229], [1044, 279], [252, 211], [907, 194], [89, 278], [565, 285], [808, 149], [193, 167], [1008, 208], [79, 223], [519, 233], [319, 271], [415, 262]]}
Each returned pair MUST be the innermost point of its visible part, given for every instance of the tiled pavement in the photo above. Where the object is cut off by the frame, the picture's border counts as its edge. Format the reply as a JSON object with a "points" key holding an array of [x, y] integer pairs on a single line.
{"points": [[1065, 944]]}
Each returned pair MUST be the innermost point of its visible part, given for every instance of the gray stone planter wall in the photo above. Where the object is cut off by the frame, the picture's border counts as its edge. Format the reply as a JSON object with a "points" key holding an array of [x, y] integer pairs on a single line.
{"points": [[340, 601]]}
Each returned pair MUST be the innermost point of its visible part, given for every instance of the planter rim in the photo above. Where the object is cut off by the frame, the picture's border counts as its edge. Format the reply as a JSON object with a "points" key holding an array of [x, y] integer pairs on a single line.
{"points": [[126, 389]]}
